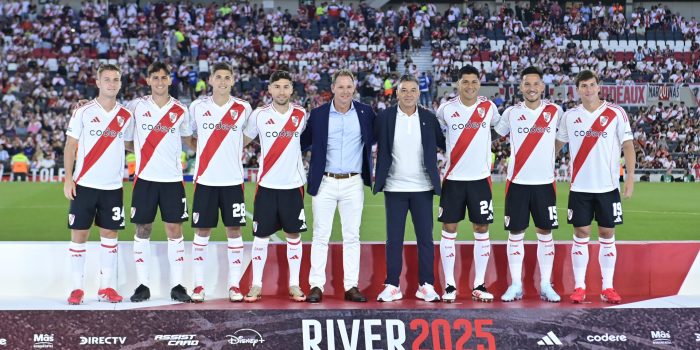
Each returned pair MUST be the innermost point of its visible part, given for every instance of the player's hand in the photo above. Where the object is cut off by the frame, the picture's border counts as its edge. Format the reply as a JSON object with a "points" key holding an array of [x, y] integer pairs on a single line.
{"points": [[69, 188], [629, 189], [79, 104]]}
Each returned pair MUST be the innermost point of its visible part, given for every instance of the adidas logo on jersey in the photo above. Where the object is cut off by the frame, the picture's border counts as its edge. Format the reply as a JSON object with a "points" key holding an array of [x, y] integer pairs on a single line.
{"points": [[578, 252], [270, 122], [618, 219], [258, 258], [522, 118], [610, 255], [452, 255], [95, 120], [113, 251], [147, 114], [237, 261], [207, 114], [180, 259], [578, 121], [139, 260], [455, 115], [295, 257], [199, 258], [516, 253], [550, 253], [486, 254]]}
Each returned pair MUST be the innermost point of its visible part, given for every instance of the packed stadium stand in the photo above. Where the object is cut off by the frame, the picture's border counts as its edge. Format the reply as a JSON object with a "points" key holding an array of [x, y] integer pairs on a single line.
{"points": [[51, 51]]}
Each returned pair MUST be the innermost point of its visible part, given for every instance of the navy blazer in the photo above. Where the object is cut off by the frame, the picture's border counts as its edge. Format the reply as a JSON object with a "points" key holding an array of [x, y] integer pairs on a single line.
{"points": [[431, 137], [315, 137]]}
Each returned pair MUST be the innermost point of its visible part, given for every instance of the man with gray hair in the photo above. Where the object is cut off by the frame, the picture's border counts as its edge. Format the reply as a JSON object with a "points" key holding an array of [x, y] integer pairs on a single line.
{"points": [[339, 134], [407, 140]]}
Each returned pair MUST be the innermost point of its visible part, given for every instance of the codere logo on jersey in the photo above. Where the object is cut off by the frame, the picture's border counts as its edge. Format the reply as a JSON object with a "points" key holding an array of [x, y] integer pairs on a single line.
{"points": [[468, 125]]}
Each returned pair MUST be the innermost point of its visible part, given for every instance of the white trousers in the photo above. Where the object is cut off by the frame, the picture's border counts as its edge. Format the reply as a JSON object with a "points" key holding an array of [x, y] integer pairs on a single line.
{"points": [[348, 196]]}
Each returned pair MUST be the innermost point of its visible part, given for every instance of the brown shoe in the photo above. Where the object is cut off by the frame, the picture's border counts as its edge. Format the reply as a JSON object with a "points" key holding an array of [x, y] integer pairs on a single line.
{"points": [[353, 294], [315, 295]]}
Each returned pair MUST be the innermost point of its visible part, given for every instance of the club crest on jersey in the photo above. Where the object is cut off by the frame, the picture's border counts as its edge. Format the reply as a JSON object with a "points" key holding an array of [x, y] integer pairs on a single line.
{"points": [[295, 121], [547, 116], [133, 212], [195, 217], [570, 214], [120, 121], [71, 219], [173, 117], [603, 120], [506, 220], [481, 111], [234, 114]]}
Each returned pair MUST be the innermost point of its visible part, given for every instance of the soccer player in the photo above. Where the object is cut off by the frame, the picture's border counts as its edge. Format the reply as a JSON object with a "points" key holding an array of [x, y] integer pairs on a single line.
{"points": [[595, 131], [532, 126], [219, 120], [161, 124], [279, 198], [466, 121], [95, 143]]}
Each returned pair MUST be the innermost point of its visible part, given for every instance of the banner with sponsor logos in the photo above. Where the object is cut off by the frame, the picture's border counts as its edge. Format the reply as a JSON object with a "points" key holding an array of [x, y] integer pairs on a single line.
{"points": [[352, 329]]}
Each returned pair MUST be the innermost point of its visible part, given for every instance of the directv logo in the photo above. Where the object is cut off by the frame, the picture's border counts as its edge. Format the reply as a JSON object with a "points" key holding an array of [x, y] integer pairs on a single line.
{"points": [[550, 339]]}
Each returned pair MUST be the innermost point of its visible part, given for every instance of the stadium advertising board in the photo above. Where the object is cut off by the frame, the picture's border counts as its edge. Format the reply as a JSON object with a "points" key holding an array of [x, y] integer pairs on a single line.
{"points": [[354, 329], [623, 95]]}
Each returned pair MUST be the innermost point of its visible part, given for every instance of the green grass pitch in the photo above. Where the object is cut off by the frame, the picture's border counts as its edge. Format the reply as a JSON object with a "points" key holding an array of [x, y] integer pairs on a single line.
{"points": [[657, 211]]}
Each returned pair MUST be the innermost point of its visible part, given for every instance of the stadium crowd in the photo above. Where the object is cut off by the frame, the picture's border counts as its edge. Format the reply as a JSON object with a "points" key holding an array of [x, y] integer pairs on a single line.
{"points": [[50, 52]]}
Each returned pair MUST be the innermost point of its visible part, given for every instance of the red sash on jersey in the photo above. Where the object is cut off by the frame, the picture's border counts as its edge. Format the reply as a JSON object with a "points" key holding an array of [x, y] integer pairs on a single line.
{"points": [[103, 143], [157, 135], [467, 135], [531, 141], [281, 143], [589, 141], [217, 137]]}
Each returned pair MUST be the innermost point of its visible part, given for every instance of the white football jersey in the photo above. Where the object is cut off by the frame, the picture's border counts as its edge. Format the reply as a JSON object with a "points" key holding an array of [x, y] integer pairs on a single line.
{"points": [[219, 140], [595, 141], [281, 166], [468, 137], [100, 160], [157, 134], [532, 140]]}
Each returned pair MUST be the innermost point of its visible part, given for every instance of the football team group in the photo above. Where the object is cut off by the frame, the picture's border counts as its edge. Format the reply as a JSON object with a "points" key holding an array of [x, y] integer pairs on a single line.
{"points": [[344, 136]]}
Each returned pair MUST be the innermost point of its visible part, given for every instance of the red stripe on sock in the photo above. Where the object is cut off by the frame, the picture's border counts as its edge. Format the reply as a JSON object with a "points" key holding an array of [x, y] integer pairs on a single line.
{"points": [[445, 237], [292, 243], [199, 245], [544, 241], [109, 246], [516, 240], [241, 247], [483, 239], [77, 251], [601, 242]]}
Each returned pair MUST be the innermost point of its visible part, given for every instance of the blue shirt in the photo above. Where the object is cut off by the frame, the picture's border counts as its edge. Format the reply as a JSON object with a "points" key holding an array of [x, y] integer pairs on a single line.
{"points": [[424, 83], [344, 154]]}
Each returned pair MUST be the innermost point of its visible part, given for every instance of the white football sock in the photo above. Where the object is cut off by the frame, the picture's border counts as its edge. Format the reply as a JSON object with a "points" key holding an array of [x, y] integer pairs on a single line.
{"points": [[142, 257], [108, 262], [482, 252], [294, 254], [579, 258], [545, 257], [76, 252], [607, 256], [447, 257], [516, 253], [235, 260], [259, 256], [199, 258]]}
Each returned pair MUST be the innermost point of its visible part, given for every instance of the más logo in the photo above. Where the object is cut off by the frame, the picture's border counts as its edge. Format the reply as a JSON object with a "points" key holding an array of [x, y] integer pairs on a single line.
{"points": [[661, 337], [43, 341], [178, 339], [245, 336], [606, 338], [102, 340]]}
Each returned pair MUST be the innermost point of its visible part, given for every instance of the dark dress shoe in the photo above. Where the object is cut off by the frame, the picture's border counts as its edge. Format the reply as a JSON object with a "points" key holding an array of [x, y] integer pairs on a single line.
{"points": [[354, 295], [315, 295]]}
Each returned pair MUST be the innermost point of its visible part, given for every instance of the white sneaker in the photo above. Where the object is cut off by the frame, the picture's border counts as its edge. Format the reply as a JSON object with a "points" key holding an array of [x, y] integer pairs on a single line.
{"points": [[514, 292], [235, 295], [547, 293], [427, 293], [450, 294], [390, 293], [481, 294], [198, 294]]}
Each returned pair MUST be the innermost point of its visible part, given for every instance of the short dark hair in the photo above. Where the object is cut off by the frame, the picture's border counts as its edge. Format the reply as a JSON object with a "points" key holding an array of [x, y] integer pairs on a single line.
{"points": [[531, 70], [586, 75], [222, 66], [407, 77], [158, 66], [469, 69], [279, 75], [108, 66]]}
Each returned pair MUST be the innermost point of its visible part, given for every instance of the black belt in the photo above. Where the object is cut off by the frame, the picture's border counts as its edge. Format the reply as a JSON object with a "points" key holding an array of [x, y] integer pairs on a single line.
{"points": [[340, 176]]}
